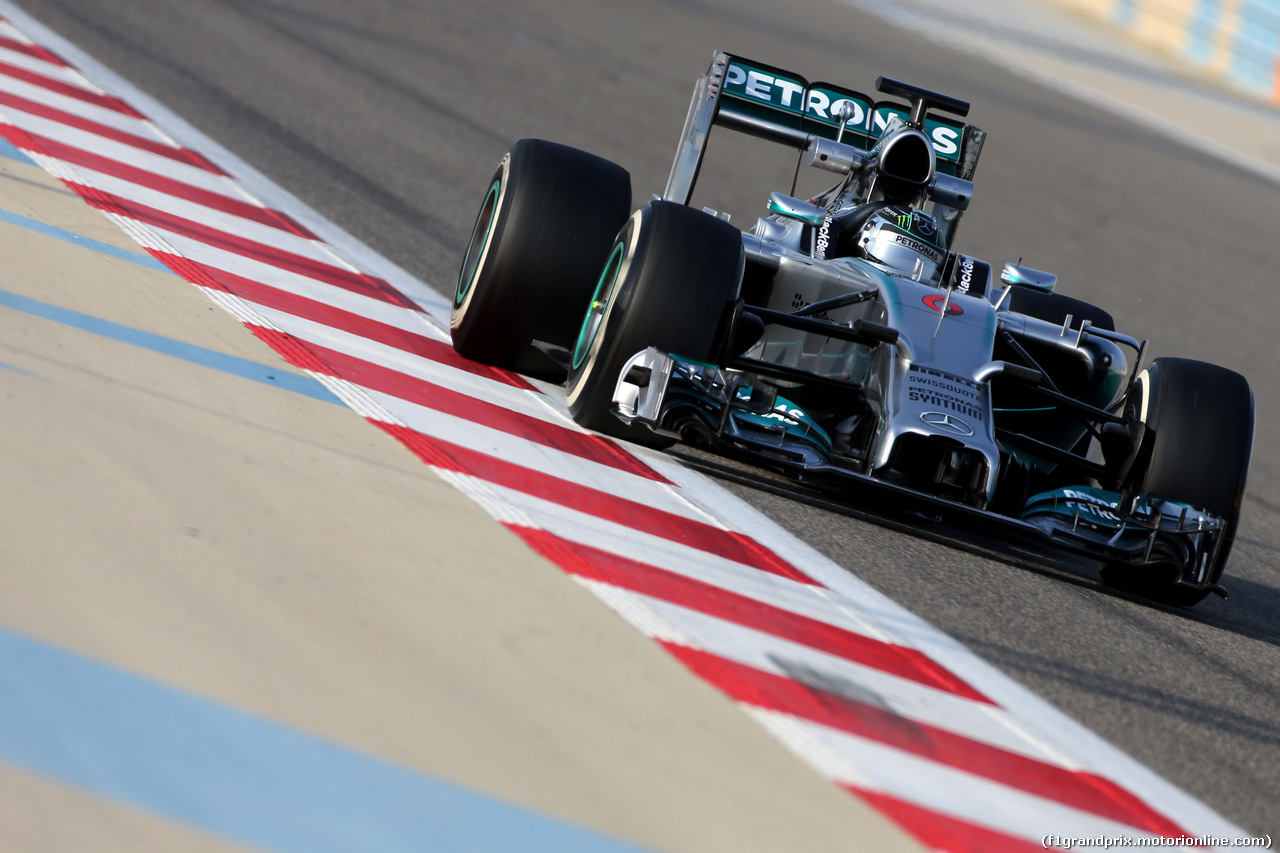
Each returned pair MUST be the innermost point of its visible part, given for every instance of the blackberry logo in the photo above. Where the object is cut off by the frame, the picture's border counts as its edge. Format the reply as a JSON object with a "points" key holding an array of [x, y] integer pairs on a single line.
{"points": [[966, 275], [823, 238]]}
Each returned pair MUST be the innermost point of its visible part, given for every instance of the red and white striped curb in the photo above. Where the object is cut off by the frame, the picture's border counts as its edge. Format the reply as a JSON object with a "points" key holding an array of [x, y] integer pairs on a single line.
{"points": [[874, 699]]}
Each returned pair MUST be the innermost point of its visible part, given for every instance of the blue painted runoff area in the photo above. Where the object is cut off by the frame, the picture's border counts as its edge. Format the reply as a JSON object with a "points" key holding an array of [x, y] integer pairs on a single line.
{"points": [[13, 152], [238, 776], [6, 366], [71, 237], [243, 368]]}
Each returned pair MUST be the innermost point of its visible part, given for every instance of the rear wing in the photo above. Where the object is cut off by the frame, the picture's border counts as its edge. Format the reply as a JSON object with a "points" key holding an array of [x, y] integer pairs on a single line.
{"points": [[770, 103]]}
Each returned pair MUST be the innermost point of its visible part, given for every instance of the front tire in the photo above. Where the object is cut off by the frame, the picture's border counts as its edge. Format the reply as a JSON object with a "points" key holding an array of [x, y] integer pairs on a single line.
{"points": [[544, 229], [1196, 450], [669, 282]]}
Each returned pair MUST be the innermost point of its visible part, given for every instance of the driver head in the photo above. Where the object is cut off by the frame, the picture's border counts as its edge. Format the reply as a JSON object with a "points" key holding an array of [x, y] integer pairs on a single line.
{"points": [[905, 240]]}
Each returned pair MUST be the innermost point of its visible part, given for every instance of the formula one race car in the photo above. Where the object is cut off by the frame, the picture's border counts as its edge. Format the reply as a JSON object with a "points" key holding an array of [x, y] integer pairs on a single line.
{"points": [[843, 340]]}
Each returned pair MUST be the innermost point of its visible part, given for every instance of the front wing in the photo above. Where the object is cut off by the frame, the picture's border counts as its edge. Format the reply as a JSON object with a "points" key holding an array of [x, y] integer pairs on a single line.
{"points": [[689, 400]]}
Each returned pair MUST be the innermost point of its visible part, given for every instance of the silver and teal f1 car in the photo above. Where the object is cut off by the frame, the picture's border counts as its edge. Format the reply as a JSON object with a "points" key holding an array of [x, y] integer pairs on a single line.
{"points": [[843, 340]]}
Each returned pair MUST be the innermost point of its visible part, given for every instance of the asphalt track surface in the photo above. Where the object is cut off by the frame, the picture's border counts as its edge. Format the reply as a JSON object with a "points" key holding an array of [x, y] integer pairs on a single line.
{"points": [[388, 117]]}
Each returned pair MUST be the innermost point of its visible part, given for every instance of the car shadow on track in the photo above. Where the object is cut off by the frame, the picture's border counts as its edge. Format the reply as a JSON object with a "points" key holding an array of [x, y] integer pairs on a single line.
{"points": [[1164, 700], [1253, 611]]}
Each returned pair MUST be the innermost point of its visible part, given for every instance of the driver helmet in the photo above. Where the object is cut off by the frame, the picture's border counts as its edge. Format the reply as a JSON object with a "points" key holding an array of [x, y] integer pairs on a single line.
{"points": [[905, 240]]}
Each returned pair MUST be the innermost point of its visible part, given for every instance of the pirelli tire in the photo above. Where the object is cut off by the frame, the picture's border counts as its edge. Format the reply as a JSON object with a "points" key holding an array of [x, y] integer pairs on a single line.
{"points": [[670, 281], [545, 227], [1196, 449]]}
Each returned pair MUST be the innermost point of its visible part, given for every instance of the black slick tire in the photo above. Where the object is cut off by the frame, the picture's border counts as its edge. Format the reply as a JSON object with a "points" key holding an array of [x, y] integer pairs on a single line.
{"points": [[669, 282], [1196, 450], [546, 224]]}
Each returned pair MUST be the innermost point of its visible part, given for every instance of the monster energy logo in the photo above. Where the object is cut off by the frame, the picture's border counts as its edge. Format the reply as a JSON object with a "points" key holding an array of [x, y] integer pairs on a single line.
{"points": [[923, 226]]}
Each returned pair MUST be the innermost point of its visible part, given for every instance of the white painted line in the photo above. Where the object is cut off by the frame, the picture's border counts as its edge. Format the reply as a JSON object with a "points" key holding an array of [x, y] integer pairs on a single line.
{"points": [[520, 400], [906, 698], [68, 104], [366, 307], [531, 454], [1038, 717], [122, 152], [964, 796], [635, 544], [270, 194], [258, 270]]}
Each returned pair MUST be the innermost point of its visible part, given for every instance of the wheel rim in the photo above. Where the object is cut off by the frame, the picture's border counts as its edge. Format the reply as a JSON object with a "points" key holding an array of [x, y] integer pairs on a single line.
{"points": [[476, 248], [600, 300]]}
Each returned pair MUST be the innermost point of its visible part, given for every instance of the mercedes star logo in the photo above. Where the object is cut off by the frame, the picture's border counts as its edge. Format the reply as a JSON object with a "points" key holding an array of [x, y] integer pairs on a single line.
{"points": [[950, 423]]}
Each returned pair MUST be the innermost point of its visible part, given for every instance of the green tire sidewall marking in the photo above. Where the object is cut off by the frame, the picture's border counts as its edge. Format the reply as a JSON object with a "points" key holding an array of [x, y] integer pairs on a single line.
{"points": [[599, 304], [485, 219]]}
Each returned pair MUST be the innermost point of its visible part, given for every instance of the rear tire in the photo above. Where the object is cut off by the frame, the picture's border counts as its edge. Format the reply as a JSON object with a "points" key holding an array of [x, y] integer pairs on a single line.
{"points": [[670, 282], [1196, 450], [544, 229]]}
